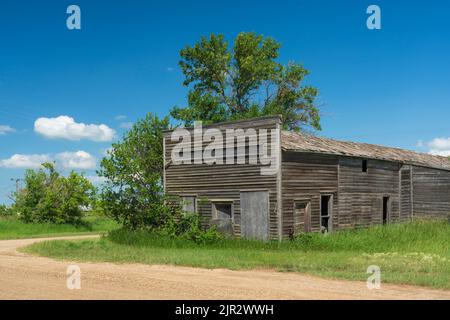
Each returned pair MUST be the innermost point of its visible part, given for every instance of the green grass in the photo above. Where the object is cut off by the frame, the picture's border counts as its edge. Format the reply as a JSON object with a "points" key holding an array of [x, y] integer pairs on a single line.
{"points": [[415, 253], [12, 228]]}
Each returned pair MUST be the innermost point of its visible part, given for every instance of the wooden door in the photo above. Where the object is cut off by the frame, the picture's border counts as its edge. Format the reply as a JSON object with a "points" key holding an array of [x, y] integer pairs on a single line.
{"points": [[255, 215], [302, 216]]}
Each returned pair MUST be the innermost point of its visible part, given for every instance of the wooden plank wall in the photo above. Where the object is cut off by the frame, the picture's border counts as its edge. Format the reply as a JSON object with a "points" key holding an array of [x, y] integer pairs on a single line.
{"points": [[361, 193], [357, 195], [210, 182], [406, 193], [306, 176], [431, 195]]}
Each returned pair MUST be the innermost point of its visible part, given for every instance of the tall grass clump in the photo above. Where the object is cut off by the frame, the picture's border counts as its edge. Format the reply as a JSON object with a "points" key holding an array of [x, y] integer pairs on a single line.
{"points": [[418, 235]]}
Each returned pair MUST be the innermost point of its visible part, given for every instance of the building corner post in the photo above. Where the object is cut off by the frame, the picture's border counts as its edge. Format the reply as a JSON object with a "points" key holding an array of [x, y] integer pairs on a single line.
{"points": [[279, 186]]}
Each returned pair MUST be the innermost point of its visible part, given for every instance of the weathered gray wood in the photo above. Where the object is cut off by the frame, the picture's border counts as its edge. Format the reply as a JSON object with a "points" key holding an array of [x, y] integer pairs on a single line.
{"points": [[431, 192], [361, 193], [209, 182], [405, 193], [255, 215], [307, 176], [329, 167], [302, 216]]}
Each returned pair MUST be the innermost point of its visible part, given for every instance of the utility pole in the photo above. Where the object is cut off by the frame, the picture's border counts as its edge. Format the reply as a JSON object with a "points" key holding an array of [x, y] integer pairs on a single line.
{"points": [[16, 180]]}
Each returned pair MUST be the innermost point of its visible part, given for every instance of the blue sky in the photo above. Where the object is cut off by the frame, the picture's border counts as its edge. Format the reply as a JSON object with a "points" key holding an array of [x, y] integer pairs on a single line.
{"points": [[388, 86]]}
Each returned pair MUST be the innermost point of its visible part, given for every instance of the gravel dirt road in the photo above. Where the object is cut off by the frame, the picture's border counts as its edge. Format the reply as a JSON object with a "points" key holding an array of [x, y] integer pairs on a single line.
{"points": [[24, 276]]}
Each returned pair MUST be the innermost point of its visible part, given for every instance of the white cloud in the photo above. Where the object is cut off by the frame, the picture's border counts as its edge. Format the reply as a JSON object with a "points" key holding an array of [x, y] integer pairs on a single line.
{"points": [[4, 129], [76, 160], [67, 160], [443, 153], [126, 125], [121, 117], [440, 144], [65, 127], [29, 161], [170, 69], [439, 147]]}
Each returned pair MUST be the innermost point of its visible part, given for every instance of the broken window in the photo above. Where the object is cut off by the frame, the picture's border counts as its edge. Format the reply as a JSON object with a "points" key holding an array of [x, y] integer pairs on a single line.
{"points": [[364, 166], [222, 217], [222, 210], [385, 209], [325, 213]]}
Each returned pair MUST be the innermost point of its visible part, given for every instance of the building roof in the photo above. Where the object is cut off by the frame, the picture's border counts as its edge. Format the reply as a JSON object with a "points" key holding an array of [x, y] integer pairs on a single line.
{"points": [[301, 142]]}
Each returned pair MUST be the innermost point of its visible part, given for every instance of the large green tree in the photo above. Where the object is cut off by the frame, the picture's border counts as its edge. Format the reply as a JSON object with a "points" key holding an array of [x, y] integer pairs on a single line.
{"points": [[133, 192], [50, 197], [243, 81]]}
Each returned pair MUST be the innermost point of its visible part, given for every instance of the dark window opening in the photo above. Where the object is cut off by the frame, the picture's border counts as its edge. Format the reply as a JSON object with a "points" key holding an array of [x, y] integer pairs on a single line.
{"points": [[364, 166], [223, 211], [385, 209], [300, 205], [222, 217], [325, 213]]}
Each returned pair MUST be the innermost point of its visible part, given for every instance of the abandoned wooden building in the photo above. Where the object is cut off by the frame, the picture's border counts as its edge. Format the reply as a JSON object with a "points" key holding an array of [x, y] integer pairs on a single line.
{"points": [[318, 185]]}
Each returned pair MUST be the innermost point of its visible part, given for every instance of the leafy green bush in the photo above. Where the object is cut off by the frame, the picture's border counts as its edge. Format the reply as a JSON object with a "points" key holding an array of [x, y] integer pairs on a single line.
{"points": [[146, 238], [133, 194], [188, 226], [51, 197], [5, 211]]}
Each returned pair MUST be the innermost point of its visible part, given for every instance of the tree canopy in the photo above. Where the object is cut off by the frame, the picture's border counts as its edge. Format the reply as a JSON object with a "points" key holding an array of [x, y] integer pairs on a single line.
{"points": [[50, 197], [133, 170], [244, 81]]}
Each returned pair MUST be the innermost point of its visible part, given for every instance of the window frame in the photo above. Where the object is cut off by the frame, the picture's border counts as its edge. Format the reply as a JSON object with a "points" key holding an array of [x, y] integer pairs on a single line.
{"points": [[195, 196], [214, 202], [388, 209], [306, 224], [330, 211], [365, 166]]}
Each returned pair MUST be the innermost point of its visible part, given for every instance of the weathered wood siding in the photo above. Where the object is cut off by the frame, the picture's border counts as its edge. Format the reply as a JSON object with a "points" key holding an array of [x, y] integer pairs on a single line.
{"points": [[357, 196], [431, 192], [361, 193], [307, 176], [406, 193], [224, 181]]}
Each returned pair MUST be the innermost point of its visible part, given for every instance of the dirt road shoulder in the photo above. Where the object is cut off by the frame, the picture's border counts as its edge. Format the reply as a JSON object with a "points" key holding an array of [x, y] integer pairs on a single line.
{"points": [[23, 276]]}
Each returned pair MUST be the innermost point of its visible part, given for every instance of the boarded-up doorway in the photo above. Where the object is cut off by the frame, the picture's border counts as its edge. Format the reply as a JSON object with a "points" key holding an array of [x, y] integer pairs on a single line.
{"points": [[255, 215], [302, 216]]}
